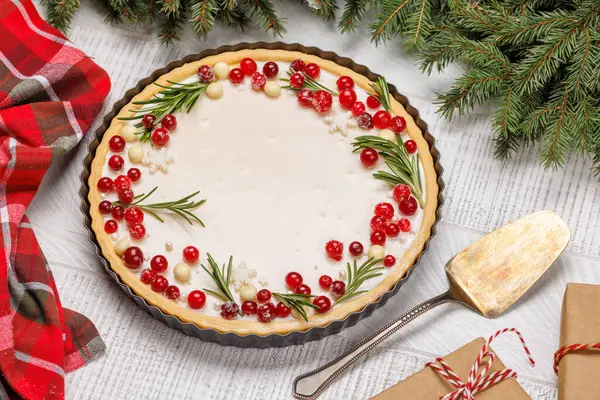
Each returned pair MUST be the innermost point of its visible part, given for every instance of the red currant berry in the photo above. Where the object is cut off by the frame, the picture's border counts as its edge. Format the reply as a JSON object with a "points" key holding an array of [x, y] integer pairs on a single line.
{"points": [[325, 282], [389, 260], [160, 137], [118, 212], [126, 196], [134, 174], [258, 81], [398, 124], [196, 299], [105, 207], [334, 249], [293, 279], [382, 119], [159, 284], [312, 70], [378, 237], [377, 223], [137, 231], [172, 292], [122, 182], [297, 80], [344, 82], [229, 309], [116, 143], [134, 215], [408, 206], [263, 295], [401, 192], [248, 66], [347, 98], [392, 229], [133, 257], [410, 145], [169, 122], [322, 101], [404, 225], [323, 303], [249, 307], [191, 254], [365, 121], [282, 310], [302, 289], [305, 97], [148, 120], [159, 263], [358, 108], [105, 184], [115, 162], [270, 69], [147, 275], [266, 312], [298, 65], [206, 74], [236, 76], [111, 226], [369, 157], [373, 102], [356, 248], [385, 210], [338, 288]]}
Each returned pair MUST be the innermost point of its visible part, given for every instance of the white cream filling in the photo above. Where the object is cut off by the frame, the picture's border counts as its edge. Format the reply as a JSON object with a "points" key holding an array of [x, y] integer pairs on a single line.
{"points": [[279, 183]]}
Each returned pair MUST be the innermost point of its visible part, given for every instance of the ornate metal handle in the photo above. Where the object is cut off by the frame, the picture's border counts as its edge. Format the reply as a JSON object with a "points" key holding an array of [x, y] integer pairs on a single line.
{"points": [[310, 385]]}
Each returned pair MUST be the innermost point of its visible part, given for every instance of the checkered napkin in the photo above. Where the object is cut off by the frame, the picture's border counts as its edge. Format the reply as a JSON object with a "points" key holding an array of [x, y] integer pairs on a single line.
{"points": [[50, 93]]}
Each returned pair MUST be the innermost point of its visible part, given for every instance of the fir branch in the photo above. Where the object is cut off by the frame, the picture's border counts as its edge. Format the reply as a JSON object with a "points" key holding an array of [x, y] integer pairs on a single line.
{"points": [[181, 207], [264, 15], [296, 302], [404, 168], [171, 25], [323, 8], [221, 277], [354, 12], [359, 275], [235, 18], [60, 12], [174, 98], [203, 14]]}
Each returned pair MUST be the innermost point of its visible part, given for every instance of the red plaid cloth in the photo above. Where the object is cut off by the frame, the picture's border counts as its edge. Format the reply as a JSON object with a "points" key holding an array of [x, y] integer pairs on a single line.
{"points": [[50, 93]]}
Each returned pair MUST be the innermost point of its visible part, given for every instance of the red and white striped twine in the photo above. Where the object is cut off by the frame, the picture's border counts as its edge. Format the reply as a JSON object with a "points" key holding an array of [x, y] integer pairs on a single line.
{"points": [[563, 351], [478, 380]]}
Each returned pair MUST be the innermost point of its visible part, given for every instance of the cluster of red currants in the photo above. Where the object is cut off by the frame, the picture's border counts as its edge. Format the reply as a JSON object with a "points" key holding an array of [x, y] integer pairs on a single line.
{"points": [[248, 67], [160, 136]]}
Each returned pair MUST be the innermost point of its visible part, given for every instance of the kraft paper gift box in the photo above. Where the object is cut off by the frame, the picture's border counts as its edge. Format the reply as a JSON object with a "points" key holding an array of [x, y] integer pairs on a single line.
{"points": [[430, 385], [579, 371]]}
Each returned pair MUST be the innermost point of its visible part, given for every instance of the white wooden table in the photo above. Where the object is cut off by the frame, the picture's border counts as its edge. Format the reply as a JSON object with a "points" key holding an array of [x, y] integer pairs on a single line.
{"points": [[147, 360]]}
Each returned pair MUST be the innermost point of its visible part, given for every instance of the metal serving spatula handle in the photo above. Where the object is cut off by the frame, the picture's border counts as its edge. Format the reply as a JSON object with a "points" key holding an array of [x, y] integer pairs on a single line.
{"points": [[310, 385]]}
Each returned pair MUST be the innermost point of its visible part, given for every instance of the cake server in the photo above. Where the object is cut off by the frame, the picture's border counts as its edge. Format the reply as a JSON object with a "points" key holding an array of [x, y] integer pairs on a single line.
{"points": [[489, 276]]}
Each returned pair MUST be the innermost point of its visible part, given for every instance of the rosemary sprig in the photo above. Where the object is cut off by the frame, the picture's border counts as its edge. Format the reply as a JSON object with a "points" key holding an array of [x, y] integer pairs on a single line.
{"points": [[221, 277], [383, 93], [180, 207], [309, 83], [358, 275], [404, 168], [296, 302], [177, 97]]}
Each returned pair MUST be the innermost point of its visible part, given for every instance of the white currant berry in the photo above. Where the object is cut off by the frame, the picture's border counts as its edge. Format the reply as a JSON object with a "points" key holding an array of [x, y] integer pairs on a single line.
{"points": [[122, 245], [376, 252], [248, 292], [387, 134], [272, 89], [214, 90], [221, 70], [182, 272], [128, 133], [136, 153]]}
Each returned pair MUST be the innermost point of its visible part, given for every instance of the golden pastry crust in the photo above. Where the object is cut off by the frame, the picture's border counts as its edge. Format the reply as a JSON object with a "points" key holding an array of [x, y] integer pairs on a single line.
{"points": [[247, 327]]}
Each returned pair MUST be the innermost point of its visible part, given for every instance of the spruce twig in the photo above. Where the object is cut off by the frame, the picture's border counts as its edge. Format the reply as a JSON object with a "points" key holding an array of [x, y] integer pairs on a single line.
{"points": [[296, 302], [221, 277], [359, 275]]}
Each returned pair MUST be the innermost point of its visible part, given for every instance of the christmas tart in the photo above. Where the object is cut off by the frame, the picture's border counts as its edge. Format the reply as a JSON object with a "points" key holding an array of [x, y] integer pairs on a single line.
{"points": [[262, 191]]}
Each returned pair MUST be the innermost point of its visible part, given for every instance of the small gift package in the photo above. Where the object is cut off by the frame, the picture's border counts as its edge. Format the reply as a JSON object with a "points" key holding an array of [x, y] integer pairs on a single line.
{"points": [[473, 371], [577, 362]]}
